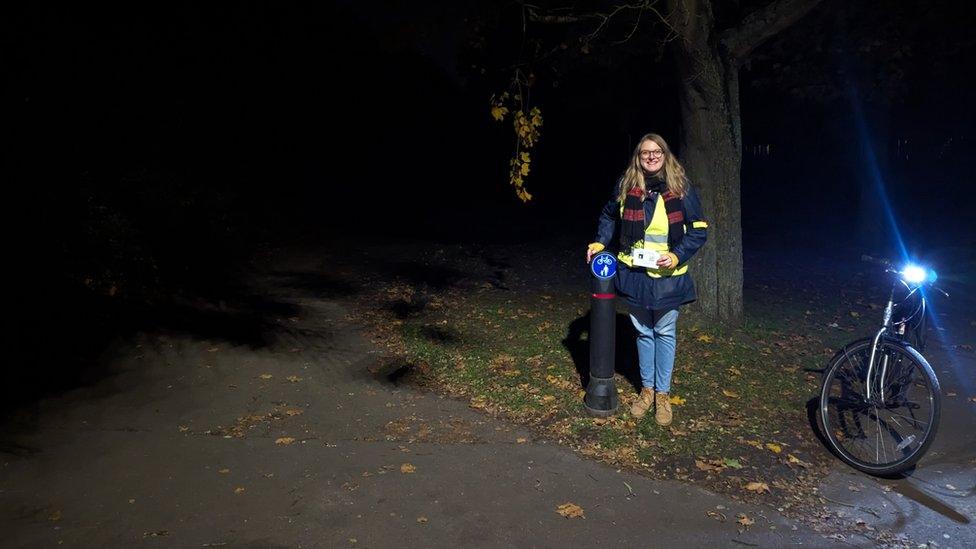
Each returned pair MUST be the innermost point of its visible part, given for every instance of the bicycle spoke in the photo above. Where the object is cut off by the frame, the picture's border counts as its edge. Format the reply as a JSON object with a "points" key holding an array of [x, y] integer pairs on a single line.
{"points": [[911, 419]]}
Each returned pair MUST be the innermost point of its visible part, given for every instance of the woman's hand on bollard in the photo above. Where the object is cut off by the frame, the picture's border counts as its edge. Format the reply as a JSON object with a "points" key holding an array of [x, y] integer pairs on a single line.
{"points": [[592, 249]]}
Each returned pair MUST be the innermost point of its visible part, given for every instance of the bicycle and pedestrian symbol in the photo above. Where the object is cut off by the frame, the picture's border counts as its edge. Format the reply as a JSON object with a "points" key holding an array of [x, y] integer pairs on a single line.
{"points": [[604, 265]]}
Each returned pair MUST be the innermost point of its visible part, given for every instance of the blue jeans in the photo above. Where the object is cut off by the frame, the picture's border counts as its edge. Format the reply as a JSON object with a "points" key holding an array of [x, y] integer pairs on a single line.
{"points": [[655, 348]]}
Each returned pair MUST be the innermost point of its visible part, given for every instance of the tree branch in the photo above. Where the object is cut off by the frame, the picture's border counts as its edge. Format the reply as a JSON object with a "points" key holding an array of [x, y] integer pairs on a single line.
{"points": [[566, 16], [763, 24]]}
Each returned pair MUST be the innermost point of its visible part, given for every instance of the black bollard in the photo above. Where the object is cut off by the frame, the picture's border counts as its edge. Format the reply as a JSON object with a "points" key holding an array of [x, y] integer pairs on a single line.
{"points": [[601, 391]]}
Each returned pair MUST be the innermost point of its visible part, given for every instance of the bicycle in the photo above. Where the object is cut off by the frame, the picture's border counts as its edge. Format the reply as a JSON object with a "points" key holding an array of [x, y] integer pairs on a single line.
{"points": [[880, 401]]}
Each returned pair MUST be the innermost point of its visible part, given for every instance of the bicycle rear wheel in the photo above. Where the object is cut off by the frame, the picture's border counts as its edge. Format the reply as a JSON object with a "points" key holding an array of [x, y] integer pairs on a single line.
{"points": [[891, 431]]}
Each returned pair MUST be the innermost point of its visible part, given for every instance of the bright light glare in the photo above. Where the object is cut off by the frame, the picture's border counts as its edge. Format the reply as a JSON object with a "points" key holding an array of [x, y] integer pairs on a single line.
{"points": [[914, 274]]}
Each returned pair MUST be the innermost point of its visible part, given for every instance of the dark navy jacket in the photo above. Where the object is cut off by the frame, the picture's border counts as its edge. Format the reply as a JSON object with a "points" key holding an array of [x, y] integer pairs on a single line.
{"points": [[640, 290]]}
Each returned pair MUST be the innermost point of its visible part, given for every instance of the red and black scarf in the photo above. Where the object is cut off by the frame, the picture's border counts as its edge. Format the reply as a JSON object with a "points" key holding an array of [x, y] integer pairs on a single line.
{"points": [[634, 222]]}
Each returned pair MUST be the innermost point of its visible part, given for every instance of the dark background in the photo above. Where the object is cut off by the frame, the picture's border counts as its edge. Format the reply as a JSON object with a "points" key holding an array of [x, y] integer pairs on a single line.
{"points": [[153, 150]]}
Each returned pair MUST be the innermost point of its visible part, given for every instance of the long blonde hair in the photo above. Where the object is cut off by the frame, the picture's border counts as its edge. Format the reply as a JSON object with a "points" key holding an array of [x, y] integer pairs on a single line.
{"points": [[672, 171]]}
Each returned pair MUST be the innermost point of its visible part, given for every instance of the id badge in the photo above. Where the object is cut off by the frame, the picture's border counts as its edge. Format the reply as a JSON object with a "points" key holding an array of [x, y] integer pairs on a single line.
{"points": [[643, 257]]}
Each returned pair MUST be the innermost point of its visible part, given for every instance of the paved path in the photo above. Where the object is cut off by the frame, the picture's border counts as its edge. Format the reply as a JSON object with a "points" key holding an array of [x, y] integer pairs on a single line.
{"points": [[183, 445]]}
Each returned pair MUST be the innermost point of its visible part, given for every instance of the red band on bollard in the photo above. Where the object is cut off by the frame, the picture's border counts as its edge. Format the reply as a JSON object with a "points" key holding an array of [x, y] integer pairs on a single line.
{"points": [[604, 296]]}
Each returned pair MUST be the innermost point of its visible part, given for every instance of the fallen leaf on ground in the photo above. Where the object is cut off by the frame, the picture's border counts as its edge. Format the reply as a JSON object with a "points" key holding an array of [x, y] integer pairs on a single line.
{"points": [[521, 440], [285, 440], [293, 412], [421, 520], [183, 428], [757, 487], [676, 400], [224, 471], [733, 463], [797, 461], [293, 379], [570, 510], [705, 338], [239, 490], [407, 468], [729, 393], [774, 448], [710, 466], [548, 398], [266, 376], [717, 516], [745, 520]]}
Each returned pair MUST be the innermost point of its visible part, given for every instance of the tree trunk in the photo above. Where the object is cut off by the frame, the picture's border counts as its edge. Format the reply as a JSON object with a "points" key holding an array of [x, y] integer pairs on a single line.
{"points": [[710, 148]]}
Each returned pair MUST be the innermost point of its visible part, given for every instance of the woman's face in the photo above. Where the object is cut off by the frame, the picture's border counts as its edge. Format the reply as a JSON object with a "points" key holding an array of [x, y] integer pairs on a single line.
{"points": [[651, 156]]}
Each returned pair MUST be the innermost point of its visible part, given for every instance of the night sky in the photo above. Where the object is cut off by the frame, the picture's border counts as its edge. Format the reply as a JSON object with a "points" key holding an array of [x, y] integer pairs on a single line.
{"points": [[160, 145]]}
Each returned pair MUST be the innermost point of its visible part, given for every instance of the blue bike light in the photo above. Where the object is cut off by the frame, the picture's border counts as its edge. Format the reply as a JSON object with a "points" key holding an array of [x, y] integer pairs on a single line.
{"points": [[914, 274]]}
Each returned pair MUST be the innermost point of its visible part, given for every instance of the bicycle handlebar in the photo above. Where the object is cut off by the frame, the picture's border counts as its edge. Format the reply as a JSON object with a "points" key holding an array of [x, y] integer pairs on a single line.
{"points": [[889, 267]]}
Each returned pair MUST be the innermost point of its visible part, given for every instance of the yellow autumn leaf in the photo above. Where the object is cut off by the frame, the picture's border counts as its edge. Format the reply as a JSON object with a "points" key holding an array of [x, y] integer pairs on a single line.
{"points": [[266, 376], [570, 510], [521, 440], [239, 490], [797, 461], [498, 112], [407, 468], [293, 412], [548, 398], [293, 379], [729, 393], [704, 338], [774, 448], [676, 400], [285, 441], [757, 487], [524, 156]]}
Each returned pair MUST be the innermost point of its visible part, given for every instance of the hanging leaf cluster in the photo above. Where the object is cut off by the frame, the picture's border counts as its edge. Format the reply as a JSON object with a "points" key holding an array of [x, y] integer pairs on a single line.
{"points": [[526, 123]]}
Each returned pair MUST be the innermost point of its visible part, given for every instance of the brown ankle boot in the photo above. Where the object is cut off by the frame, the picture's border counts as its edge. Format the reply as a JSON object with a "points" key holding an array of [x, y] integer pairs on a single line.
{"points": [[662, 409], [644, 403]]}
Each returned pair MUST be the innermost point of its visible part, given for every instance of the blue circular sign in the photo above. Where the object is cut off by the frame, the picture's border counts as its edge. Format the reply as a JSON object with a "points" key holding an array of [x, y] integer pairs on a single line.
{"points": [[604, 265]]}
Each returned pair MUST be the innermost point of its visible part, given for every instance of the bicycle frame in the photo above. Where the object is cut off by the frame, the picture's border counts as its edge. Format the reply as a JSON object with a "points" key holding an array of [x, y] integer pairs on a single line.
{"points": [[887, 325]]}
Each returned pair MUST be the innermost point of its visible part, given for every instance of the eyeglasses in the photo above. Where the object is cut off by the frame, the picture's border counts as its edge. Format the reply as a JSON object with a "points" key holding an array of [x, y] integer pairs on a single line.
{"points": [[652, 154]]}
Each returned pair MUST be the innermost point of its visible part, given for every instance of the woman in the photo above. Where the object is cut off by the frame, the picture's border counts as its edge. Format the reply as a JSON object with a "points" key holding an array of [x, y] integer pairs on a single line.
{"points": [[661, 228]]}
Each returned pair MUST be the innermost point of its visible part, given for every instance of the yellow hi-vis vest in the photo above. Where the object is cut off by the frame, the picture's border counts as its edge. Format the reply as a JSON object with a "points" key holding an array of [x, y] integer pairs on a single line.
{"points": [[655, 238]]}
